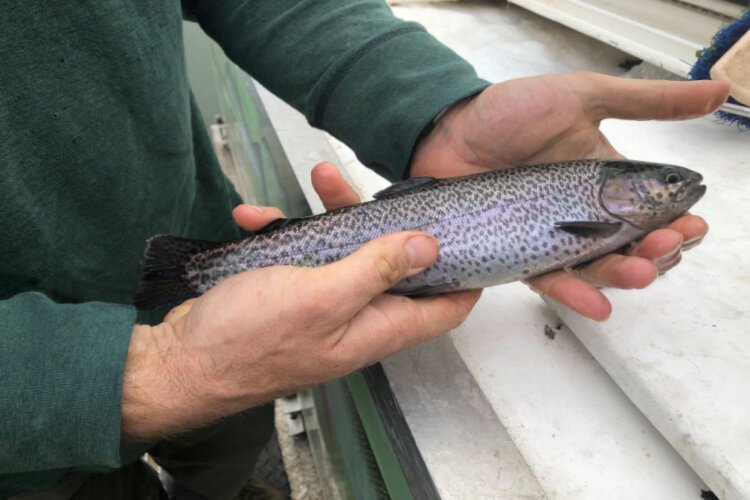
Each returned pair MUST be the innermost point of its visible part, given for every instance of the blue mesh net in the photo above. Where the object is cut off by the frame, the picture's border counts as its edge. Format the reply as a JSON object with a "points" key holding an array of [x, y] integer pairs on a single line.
{"points": [[722, 41]]}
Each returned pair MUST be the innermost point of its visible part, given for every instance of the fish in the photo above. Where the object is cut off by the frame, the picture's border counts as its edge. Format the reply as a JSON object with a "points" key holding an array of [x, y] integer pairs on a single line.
{"points": [[493, 228]]}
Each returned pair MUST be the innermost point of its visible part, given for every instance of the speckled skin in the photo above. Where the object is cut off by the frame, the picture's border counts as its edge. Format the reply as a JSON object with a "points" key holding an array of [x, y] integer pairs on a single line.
{"points": [[493, 228]]}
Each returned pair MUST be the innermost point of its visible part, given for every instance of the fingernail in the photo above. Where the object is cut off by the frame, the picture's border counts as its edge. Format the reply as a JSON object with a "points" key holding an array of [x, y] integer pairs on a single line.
{"points": [[714, 104], [691, 243], [667, 262], [422, 251], [326, 170], [256, 208], [533, 288]]}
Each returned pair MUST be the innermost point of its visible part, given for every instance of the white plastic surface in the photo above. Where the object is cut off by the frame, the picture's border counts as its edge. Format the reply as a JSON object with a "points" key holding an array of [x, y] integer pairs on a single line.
{"points": [[663, 32], [582, 437]]}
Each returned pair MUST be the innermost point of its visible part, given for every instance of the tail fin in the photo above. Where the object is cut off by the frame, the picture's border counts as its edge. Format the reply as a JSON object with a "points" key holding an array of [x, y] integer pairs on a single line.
{"points": [[165, 280]]}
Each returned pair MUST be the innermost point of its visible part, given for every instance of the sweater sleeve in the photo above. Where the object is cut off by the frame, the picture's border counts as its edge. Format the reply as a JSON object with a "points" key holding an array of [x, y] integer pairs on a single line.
{"points": [[61, 368], [368, 78]]}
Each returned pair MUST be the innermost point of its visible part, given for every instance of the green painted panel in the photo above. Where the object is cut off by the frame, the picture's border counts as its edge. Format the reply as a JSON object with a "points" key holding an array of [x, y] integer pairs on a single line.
{"points": [[354, 466], [388, 463]]}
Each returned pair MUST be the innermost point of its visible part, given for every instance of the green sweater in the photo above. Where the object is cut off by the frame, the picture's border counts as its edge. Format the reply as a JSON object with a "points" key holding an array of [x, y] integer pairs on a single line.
{"points": [[102, 146]]}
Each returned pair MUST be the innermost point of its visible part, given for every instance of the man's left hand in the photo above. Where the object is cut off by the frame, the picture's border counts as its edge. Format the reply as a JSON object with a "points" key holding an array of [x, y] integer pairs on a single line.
{"points": [[555, 118]]}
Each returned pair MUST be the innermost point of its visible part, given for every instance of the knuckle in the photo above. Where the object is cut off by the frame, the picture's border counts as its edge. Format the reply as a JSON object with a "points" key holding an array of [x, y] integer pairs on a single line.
{"points": [[388, 268]]}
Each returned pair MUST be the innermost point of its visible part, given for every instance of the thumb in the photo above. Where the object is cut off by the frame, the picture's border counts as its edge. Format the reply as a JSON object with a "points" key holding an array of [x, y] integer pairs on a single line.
{"points": [[611, 97], [353, 282]]}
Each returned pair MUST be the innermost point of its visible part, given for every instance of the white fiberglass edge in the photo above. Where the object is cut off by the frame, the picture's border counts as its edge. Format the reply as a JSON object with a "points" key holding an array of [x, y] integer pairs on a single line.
{"points": [[723, 7], [664, 33]]}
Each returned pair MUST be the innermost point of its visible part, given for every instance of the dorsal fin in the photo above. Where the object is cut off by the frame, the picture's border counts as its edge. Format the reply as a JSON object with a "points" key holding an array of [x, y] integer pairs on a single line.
{"points": [[280, 223], [590, 228], [398, 188], [274, 225]]}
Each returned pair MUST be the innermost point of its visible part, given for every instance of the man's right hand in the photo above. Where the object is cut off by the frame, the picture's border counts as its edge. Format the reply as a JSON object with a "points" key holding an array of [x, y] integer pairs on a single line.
{"points": [[272, 331]]}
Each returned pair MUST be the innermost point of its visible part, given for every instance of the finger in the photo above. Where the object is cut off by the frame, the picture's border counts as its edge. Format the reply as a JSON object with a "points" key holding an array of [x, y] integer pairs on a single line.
{"points": [[618, 271], [658, 244], [353, 282], [391, 324], [573, 293], [631, 99], [255, 217], [331, 187], [692, 228]]}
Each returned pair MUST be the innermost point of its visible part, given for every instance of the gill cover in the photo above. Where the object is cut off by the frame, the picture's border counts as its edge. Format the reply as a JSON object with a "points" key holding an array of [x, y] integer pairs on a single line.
{"points": [[648, 195]]}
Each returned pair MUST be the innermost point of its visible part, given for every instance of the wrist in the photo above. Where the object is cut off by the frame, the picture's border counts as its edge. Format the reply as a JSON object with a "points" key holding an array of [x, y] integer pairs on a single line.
{"points": [[438, 153], [159, 395]]}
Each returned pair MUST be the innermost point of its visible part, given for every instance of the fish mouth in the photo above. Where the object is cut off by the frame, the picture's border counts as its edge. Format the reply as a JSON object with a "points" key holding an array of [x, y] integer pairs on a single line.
{"points": [[694, 191]]}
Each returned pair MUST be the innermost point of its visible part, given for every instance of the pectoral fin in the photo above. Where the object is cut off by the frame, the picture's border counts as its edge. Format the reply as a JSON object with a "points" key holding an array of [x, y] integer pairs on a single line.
{"points": [[590, 228]]}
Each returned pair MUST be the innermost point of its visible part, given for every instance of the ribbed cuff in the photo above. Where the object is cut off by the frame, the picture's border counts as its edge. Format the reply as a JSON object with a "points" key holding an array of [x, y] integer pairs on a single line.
{"points": [[62, 367]]}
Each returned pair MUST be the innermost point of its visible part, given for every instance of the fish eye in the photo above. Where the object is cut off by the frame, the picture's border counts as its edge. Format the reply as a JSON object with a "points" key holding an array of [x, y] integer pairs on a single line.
{"points": [[672, 178]]}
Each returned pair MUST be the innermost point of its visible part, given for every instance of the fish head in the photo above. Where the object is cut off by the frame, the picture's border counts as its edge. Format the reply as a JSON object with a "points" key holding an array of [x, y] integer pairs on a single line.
{"points": [[648, 195]]}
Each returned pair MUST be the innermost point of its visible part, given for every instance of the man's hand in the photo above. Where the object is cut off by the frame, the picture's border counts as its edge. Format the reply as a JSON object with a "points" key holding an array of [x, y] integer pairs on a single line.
{"points": [[554, 118], [272, 331]]}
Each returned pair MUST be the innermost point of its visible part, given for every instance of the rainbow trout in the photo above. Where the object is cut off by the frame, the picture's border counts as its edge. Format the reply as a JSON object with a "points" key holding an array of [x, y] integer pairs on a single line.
{"points": [[493, 228]]}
